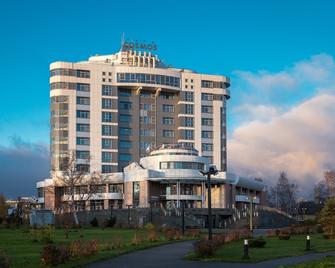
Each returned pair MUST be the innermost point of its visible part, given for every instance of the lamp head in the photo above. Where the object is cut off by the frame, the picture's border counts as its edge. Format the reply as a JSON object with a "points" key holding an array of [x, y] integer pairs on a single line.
{"points": [[213, 170]]}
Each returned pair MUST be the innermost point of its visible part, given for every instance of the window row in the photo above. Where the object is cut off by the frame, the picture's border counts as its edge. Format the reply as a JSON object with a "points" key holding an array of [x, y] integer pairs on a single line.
{"points": [[148, 79], [70, 72], [212, 84], [181, 165], [72, 86]]}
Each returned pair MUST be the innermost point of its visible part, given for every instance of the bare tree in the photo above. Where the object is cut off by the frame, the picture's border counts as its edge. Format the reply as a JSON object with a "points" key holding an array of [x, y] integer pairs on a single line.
{"points": [[79, 185], [330, 182], [283, 194], [3, 208], [321, 192]]}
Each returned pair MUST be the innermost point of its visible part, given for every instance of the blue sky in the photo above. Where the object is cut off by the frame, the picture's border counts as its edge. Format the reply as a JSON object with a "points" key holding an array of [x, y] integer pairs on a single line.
{"points": [[264, 46]]}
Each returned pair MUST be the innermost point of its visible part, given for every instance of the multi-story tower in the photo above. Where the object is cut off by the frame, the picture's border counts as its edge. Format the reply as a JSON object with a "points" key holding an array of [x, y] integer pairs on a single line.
{"points": [[112, 108]]}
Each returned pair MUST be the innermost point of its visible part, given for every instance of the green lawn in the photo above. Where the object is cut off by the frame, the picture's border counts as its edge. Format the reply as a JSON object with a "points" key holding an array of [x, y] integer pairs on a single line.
{"points": [[24, 252], [274, 248], [326, 262]]}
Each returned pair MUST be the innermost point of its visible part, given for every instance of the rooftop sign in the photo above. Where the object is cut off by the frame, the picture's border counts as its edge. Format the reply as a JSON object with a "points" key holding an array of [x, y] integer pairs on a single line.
{"points": [[138, 46]]}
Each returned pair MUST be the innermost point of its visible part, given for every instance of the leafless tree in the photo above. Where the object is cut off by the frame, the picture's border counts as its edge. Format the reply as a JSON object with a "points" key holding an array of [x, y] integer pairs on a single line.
{"points": [[283, 194], [330, 182], [321, 192], [79, 185]]}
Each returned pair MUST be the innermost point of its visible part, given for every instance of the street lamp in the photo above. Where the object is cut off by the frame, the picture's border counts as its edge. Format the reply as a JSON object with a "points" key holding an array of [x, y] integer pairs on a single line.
{"points": [[211, 171]]}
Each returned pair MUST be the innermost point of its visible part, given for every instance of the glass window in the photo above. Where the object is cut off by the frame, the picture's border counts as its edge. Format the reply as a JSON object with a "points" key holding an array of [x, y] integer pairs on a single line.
{"points": [[125, 105], [83, 73], [107, 169], [188, 134], [207, 134], [96, 204], [147, 132], [83, 114], [207, 147], [189, 121], [168, 121], [125, 157], [83, 141], [83, 127], [106, 130], [206, 96], [207, 121], [106, 117], [188, 96], [188, 108], [125, 131], [168, 108], [207, 109], [83, 100], [125, 144], [124, 92], [83, 87], [106, 157], [115, 188], [107, 90], [168, 133], [125, 118], [107, 103], [136, 194], [83, 154], [106, 143]]}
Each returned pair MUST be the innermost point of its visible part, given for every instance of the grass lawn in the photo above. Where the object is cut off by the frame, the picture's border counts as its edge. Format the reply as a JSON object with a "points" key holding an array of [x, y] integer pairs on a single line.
{"points": [[24, 252], [274, 248], [326, 262]]}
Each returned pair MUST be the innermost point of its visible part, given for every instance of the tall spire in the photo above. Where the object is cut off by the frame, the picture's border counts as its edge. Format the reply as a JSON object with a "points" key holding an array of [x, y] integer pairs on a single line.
{"points": [[122, 41]]}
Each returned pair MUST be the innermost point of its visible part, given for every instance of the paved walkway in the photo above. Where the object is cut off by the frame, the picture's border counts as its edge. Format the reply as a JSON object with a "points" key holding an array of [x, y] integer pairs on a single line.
{"points": [[170, 256]]}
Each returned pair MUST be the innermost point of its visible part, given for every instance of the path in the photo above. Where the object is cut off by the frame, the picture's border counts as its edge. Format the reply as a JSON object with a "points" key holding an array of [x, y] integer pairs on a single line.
{"points": [[170, 256]]}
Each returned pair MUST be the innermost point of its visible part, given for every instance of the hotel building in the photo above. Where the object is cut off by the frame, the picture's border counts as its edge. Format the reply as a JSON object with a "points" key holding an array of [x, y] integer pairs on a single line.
{"points": [[144, 126]]}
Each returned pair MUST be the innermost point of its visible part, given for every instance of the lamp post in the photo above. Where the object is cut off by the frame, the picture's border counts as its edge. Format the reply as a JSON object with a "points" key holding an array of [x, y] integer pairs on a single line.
{"points": [[211, 171], [129, 217]]}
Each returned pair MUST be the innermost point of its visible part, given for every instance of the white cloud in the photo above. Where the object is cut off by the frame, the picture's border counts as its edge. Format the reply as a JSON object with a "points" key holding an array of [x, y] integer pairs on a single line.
{"points": [[260, 112], [266, 81], [300, 141]]}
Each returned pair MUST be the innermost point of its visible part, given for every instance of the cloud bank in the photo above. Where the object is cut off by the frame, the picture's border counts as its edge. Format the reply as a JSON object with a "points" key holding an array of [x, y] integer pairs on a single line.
{"points": [[21, 165], [278, 130]]}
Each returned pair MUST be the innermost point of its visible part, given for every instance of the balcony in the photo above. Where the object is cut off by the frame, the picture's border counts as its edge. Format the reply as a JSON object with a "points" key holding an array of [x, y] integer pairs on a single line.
{"points": [[182, 197]]}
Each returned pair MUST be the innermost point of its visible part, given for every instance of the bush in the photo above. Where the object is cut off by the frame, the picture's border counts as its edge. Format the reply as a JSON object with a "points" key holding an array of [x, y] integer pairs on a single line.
{"points": [[284, 236], [117, 242], [153, 236], [4, 260], [257, 243], [149, 227], [193, 233], [82, 248], [110, 222], [53, 255], [94, 222], [204, 248], [136, 240]]}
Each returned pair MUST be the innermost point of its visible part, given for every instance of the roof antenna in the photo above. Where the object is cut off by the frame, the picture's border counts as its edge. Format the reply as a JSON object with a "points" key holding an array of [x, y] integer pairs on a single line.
{"points": [[122, 41]]}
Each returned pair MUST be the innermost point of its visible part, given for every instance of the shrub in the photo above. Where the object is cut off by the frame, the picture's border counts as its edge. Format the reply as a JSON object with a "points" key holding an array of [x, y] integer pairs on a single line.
{"points": [[82, 248], [53, 255], [149, 226], [153, 236], [94, 222], [136, 240], [193, 233], [117, 242], [206, 248], [257, 243], [284, 236], [4, 260], [110, 222]]}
